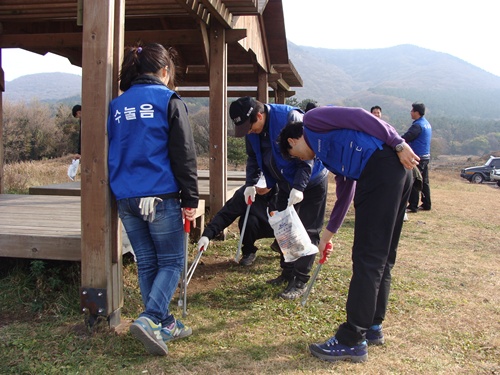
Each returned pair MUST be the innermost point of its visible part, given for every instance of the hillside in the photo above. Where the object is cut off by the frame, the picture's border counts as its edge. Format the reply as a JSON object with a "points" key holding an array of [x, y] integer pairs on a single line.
{"points": [[390, 77], [395, 77], [45, 87]]}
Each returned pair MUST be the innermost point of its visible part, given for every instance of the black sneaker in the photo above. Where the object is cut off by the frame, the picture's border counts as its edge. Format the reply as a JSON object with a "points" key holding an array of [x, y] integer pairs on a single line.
{"points": [[294, 290], [422, 208], [248, 259], [278, 281], [332, 351], [374, 335], [275, 247]]}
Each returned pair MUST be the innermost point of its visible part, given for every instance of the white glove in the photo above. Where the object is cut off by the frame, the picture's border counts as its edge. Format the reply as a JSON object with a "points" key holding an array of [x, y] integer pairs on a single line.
{"points": [[295, 197], [148, 208], [203, 243], [249, 192]]}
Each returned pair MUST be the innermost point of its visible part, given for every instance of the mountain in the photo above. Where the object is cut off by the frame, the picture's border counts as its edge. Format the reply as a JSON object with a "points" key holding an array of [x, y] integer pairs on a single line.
{"points": [[45, 87], [396, 77], [390, 77]]}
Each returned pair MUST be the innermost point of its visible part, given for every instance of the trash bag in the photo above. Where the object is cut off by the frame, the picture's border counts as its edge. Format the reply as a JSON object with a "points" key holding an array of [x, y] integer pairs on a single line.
{"points": [[291, 235], [73, 169]]}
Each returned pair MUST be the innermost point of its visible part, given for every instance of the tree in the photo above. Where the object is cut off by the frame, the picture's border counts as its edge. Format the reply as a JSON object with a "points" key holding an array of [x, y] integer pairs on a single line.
{"points": [[201, 126], [236, 151], [30, 132]]}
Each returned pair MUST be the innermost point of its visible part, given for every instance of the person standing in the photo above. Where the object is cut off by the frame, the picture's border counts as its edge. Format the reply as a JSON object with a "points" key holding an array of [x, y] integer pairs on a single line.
{"points": [[303, 184], [310, 105], [153, 176], [419, 137], [372, 163], [376, 110], [76, 111]]}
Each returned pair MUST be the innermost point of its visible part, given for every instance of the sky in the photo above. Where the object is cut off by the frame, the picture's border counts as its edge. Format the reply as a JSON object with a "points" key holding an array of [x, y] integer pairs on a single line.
{"points": [[467, 30]]}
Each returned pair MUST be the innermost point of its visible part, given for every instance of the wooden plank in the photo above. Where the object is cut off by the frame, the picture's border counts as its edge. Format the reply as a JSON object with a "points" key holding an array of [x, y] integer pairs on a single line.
{"points": [[204, 174], [40, 227], [73, 188]]}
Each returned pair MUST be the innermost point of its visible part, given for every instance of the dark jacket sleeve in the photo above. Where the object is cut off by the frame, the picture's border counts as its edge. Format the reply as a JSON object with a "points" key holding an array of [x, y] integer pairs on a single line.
{"points": [[303, 174], [412, 133], [252, 169], [183, 153], [234, 208]]}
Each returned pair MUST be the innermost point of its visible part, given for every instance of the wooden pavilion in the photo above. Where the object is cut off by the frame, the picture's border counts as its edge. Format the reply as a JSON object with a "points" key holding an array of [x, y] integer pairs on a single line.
{"points": [[227, 49]]}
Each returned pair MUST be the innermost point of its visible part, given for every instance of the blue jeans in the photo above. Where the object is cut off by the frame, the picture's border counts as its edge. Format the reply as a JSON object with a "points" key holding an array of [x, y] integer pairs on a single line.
{"points": [[159, 248]]}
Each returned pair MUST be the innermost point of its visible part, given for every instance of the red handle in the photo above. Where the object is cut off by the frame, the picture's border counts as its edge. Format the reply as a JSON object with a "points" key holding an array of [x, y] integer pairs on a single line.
{"points": [[249, 200], [328, 246], [187, 225]]}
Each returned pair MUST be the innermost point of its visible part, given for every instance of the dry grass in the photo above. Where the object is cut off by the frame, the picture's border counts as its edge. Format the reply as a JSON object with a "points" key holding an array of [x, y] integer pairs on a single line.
{"points": [[19, 177], [444, 312]]}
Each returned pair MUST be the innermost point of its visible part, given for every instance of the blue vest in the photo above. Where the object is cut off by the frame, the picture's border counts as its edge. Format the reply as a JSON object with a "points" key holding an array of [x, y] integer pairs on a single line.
{"points": [[277, 119], [138, 133], [422, 144], [344, 152]]}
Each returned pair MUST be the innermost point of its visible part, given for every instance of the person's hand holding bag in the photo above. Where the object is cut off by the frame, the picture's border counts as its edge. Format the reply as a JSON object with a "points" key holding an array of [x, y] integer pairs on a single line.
{"points": [[296, 196]]}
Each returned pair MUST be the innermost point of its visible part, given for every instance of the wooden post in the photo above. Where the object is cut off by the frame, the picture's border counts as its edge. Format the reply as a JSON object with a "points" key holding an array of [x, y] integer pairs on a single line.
{"points": [[116, 225], [262, 90], [101, 286], [280, 96], [218, 117]]}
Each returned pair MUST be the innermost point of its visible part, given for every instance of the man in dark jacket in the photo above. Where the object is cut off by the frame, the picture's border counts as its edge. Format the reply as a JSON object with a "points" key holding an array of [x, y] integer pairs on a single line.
{"points": [[76, 111], [257, 225], [419, 137], [303, 184]]}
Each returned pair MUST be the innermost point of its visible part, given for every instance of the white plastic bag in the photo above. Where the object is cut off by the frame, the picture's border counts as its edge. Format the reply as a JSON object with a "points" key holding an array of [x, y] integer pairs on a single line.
{"points": [[73, 168], [291, 235]]}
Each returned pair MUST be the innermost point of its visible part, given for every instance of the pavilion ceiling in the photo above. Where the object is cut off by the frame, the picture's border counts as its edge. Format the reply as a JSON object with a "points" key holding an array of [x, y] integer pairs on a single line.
{"points": [[255, 34]]}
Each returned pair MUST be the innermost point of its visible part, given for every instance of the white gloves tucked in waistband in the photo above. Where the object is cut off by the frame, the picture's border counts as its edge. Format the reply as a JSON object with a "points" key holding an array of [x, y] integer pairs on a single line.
{"points": [[148, 207]]}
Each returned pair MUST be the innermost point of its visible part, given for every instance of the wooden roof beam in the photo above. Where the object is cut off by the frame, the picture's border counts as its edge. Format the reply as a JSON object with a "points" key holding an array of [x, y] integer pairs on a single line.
{"points": [[230, 93], [219, 12], [241, 69], [288, 68], [196, 9], [58, 40]]}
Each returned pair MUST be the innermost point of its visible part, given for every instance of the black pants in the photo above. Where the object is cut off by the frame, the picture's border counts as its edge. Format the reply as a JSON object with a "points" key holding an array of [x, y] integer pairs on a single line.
{"points": [[257, 225], [380, 201], [311, 212], [423, 167]]}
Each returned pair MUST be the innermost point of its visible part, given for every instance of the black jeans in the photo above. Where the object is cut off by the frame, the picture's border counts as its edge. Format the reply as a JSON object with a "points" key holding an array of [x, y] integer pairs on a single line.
{"points": [[382, 192], [257, 225], [423, 167], [311, 212]]}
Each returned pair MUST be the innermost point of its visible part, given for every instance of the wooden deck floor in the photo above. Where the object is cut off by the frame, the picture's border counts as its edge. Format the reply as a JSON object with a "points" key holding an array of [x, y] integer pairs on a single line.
{"points": [[40, 227], [46, 223]]}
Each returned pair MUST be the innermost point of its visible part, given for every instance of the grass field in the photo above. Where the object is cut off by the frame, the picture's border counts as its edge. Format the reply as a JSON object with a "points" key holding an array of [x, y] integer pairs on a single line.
{"points": [[443, 318]]}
